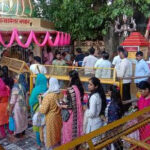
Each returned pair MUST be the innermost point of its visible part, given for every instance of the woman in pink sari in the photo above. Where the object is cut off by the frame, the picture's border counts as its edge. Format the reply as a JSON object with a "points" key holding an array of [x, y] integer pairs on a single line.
{"points": [[48, 56], [4, 97], [143, 102], [73, 127]]}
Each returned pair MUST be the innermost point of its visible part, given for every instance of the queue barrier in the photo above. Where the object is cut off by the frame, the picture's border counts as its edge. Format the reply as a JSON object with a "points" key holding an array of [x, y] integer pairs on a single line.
{"points": [[123, 134], [119, 130], [134, 90], [15, 65], [62, 73], [106, 75]]}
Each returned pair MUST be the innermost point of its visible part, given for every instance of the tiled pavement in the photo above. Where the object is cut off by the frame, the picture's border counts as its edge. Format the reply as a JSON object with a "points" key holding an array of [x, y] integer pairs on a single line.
{"points": [[26, 143]]}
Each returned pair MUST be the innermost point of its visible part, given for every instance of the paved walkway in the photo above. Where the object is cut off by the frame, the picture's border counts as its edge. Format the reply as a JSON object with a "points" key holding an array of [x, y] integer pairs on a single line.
{"points": [[26, 143]]}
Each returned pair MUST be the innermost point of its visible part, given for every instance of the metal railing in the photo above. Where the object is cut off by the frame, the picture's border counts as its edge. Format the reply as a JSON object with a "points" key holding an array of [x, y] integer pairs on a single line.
{"points": [[119, 130], [62, 73], [132, 82], [117, 133], [15, 65]]}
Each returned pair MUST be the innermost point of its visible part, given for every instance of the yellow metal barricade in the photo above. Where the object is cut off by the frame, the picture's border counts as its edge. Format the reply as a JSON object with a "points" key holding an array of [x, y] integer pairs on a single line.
{"points": [[15, 65], [106, 75], [119, 133], [135, 93]]}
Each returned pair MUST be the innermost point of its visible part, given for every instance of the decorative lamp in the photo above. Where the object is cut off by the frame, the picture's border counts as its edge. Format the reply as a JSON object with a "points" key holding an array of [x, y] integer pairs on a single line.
{"points": [[125, 27]]}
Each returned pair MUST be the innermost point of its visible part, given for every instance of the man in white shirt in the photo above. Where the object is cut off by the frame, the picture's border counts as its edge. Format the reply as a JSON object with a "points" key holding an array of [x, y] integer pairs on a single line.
{"points": [[117, 58], [104, 65], [99, 60], [105, 69], [89, 61], [124, 69], [37, 68], [141, 68]]}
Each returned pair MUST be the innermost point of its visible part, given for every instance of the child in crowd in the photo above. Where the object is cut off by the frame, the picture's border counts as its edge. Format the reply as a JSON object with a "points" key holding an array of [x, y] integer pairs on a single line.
{"points": [[114, 110]]}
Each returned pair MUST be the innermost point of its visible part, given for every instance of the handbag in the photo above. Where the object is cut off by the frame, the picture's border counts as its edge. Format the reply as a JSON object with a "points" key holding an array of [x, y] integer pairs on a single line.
{"points": [[65, 115], [12, 124], [38, 119]]}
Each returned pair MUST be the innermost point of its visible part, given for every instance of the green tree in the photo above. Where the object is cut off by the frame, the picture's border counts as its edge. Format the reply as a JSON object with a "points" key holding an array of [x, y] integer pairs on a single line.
{"points": [[90, 19], [76, 17]]}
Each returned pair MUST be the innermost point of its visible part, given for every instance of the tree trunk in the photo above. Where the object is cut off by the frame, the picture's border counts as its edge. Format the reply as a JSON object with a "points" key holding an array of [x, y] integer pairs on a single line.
{"points": [[112, 40]]}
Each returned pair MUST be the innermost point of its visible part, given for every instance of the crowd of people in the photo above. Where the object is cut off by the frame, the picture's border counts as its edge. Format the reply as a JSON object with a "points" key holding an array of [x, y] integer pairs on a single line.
{"points": [[100, 67], [59, 117]]}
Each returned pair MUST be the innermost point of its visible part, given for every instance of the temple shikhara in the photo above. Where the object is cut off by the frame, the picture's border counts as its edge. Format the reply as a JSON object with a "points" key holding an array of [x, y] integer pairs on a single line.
{"points": [[16, 8]]}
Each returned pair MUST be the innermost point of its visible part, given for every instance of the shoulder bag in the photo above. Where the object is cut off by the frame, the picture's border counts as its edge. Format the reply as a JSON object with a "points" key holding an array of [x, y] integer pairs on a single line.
{"points": [[65, 114]]}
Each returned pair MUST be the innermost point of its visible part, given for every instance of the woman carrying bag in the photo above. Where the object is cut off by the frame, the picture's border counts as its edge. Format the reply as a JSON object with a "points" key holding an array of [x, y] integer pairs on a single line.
{"points": [[40, 88], [49, 107], [73, 114], [18, 108]]}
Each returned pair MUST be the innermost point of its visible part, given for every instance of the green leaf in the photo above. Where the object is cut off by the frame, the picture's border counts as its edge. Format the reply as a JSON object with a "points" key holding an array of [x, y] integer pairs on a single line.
{"points": [[86, 22]]}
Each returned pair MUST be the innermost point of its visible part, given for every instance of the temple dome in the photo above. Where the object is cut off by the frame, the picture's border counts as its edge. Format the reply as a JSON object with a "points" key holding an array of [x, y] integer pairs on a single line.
{"points": [[21, 8]]}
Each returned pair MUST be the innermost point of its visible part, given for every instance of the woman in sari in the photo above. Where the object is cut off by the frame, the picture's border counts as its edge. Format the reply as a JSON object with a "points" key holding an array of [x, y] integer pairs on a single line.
{"points": [[40, 88], [49, 107], [73, 128], [4, 96], [18, 107], [144, 102], [5, 77]]}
